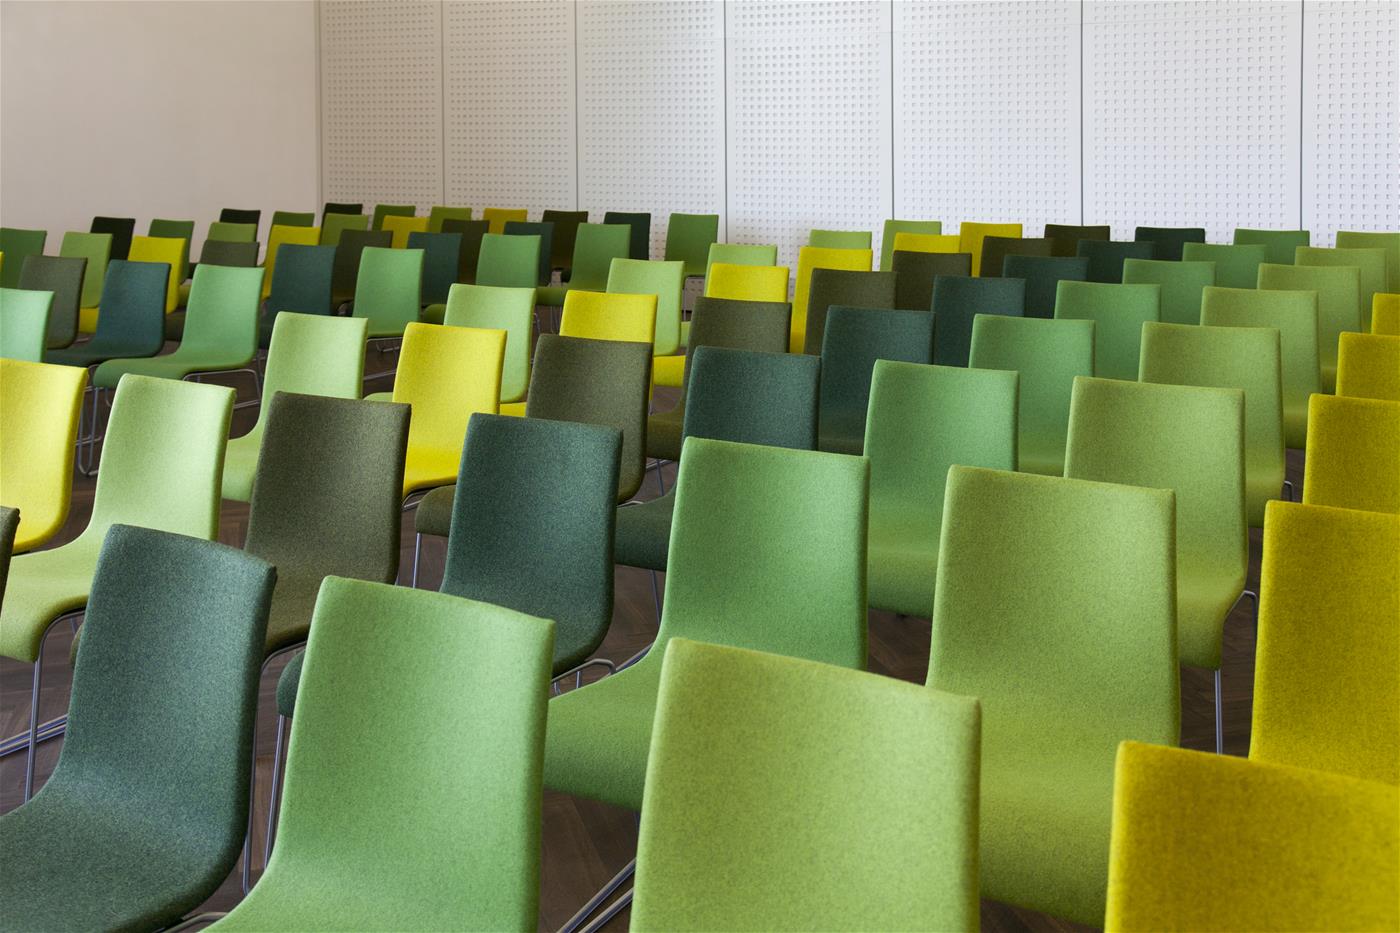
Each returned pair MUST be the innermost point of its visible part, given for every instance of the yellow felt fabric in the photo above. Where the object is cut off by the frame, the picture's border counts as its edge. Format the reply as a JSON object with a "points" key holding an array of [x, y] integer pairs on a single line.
{"points": [[1368, 366], [747, 283], [906, 242], [1385, 314], [40, 406], [1353, 454], [971, 235], [814, 257]]}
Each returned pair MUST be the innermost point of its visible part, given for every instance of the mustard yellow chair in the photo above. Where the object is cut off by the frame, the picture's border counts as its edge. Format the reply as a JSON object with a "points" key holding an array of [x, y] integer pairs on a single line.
{"points": [[906, 242], [747, 283], [1385, 314], [42, 405], [1368, 366], [815, 257], [498, 217], [1213, 842], [169, 250], [400, 226], [279, 234], [1353, 454], [971, 235], [1327, 668]]}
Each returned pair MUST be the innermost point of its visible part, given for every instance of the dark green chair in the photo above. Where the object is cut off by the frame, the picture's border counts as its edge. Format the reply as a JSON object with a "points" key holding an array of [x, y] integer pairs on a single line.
{"points": [[761, 326], [143, 817], [639, 241], [545, 231], [228, 253], [132, 322], [345, 273], [561, 247], [1043, 275], [63, 276], [390, 210], [472, 233], [233, 215], [831, 287], [995, 249], [294, 218], [301, 282], [17, 245], [915, 273], [509, 261], [1066, 237], [855, 339], [1106, 257], [341, 207], [121, 230], [1167, 242], [441, 254], [957, 300]]}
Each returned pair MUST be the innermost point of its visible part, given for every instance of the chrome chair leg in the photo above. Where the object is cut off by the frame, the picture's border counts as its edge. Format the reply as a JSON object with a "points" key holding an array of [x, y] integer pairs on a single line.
{"points": [[1219, 718], [32, 746], [656, 596], [586, 911], [660, 481], [278, 753], [613, 909], [417, 552], [1288, 491]]}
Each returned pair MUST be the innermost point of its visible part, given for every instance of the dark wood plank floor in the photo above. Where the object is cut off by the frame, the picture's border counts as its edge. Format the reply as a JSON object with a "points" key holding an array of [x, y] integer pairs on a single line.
{"points": [[586, 842]]}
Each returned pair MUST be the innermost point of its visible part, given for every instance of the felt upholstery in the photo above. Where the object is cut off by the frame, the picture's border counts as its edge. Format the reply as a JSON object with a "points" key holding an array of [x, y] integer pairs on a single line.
{"points": [[283, 235], [464, 684], [1106, 257], [96, 248], [1280, 246], [739, 254], [995, 249], [1182, 284], [857, 338], [922, 420], [1368, 366], [133, 320], [916, 272], [335, 225], [233, 215], [1118, 313], [905, 242], [1042, 275], [17, 245], [639, 236], [173, 251], [382, 211], [545, 231], [472, 233], [1353, 454], [971, 237], [768, 553], [144, 814], [609, 316], [507, 261], [439, 213], [1076, 657], [63, 277], [1236, 266], [833, 287], [737, 730], [38, 427], [1198, 844], [231, 231], [120, 229], [301, 284], [1385, 315], [24, 314], [400, 227], [1371, 265], [161, 460], [893, 228], [957, 300], [1167, 242], [229, 253], [9, 524], [1066, 237], [1190, 440], [665, 280], [1386, 240], [596, 247], [509, 309], [388, 289], [1048, 355], [441, 253], [498, 217], [293, 219], [349, 254], [561, 247], [688, 240], [340, 207], [810, 258], [746, 283], [840, 239]]}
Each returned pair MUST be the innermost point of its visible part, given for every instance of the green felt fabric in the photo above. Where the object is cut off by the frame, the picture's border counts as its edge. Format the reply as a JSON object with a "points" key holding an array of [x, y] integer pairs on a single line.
{"points": [[1279, 245], [490, 308], [388, 289], [916, 272], [234, 215], [349, 252], [441, 253], [63, 276], [1337, 308], [855, 339], [144, 814], [1048, 355], [545, 231], [161, 460], [229, 253], [1077, 656], [96, 248], [594, 250], [1181, 282], [665, 280], [180, 230], [1236, 266], [741, 254], [750, 821], [301, 282], [231, 232], [1066, 237], [440, 828], [1388, 241], [120, 229], [840, 239], [508, 261], [1167, 242], [390, 210], [333, 208], [1118, 313], [9, 524], [24, 314], [1371, 264], [294, 219], [439, 213], [1189, 440], [922, 420], [958, 300], [832, 287], [767, 553], [995, 249], [561, 247], [1106, 257], [472, 233], [688, 240], [1043, 275], [895, 227], [1236, 358], [132, 322], [639, 236]]}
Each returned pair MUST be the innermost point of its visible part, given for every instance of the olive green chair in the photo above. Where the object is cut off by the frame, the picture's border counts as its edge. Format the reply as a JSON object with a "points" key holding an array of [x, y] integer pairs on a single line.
{"points": [[922, 420], [302, 283], [62, 276], [388, 290], [1337, 288], [1372, 270], [491, 308], [96, 248], [174, 627], [1294, 316], [545, 231], [832, 287], [24, 323], [895, 227], [958, 300], [561, 247], [132, 323], [438, 213], [334, 225], [596, 247], [995, 249], [856, 339], [1245, 358], [665, 280], [1118, 313], [1279, 245], [1167, 242], [840, 239], [1106, 257], [1043, 275], [740, 254], [715, 849], [17, 245], [472, 233], [1368, 366], [400, 226], [508, 261], [1388, 241], [916, 272], [639, 237], [1353, 453], [1235, 266], [349, 252], [390, 210], [1182, 285], [176, 229], [688, 240], [331, 208], [1066, 237], [235, 215], [1074, 657], [293, 219], [441, 254], [1048, 355], [232, 232]]}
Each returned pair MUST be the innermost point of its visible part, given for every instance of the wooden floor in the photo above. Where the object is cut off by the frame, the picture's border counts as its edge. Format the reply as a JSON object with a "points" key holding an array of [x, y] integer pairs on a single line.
{"points": [[586, 842]]}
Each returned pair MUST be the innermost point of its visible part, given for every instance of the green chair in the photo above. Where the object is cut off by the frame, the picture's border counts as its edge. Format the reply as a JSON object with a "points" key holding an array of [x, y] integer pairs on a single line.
{"points": [[132, 323], [9, 524], [96, 248], [441, 253], [340, 207], [665, 280], [293, 219], [840, 239], [832, 287], [18, 244], [301, 283], [721, 848], [349, 253], [639, 238], [688, 240], [233, 215], [958, 300], [1235, 266], [1229, 358], [1118, 313], [915, 273], [1078, 654], [388, 290], [1337, 308], [24, 323], [893, 228], [174, 626], [438, 213], [1371, 263], [120, 229], [1106, 257], [1279, 245], [178, 230], [594, 250], [335, 224], [509, 309], [1181, 282], [472, 233], [857, 338], [1066, 237], [1043, 275], [229, 253], [390, 210], [464, 684], [1167, 242], [922, 420], [545, 231], [232, 232], [1294, 316], [1390, 242], [1048, 355], [995, 249], [740, 254], [1189, 440]]}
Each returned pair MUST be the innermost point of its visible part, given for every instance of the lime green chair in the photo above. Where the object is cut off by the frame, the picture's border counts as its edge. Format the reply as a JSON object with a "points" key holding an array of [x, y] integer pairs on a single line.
{"points": [[1385, 315], [382, 211], [24, 323], [1279, 245], [1074, 656], [1181, 282], [1368, 366], [401, 225], [739, 254], [490, 308], [388, 290], [922, 420], [334, 224], [1245, 358], [438, 213], [1048, 354], [840, 239], [721, 847], [1388, 241], [1327, 670], [508, 261], [665, 280], [688, 240], [96, 248], [38, 429], [1236, 266], [1118, 313], [1353, 454], [594, 250], [747, 283], [1372, 269], [1337, 288], [905, 242], [895, 227], [1189, 440], [15, 245], [1211, 842], [971, 235], [467, 682]]}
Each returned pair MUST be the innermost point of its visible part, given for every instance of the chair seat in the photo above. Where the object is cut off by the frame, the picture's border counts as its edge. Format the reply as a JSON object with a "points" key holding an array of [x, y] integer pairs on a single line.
{"points": [[668, 370], [43, 586], [685, 334], [644, 533], [1203, 600], [902, 570], [434, 514], [175, 365], [92, 353], [664, 434]]}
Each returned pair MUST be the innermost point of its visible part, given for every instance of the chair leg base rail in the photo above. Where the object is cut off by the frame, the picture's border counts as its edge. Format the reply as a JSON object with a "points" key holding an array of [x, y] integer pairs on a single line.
{"points": [[576, 922]]}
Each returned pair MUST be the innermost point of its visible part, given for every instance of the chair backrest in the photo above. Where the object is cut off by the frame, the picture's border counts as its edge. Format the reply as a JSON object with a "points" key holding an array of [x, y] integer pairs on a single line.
{"points": [[688, 240], [1385, 315], [121, 230], [906, 242], [498, 217], [595, 248], [349, 253], [1279, 245], [747, 283], [738, 325], [1043, 275], [971, 236], [340, 207], [133, 308], [301, 282], [447, 374], [566, 224], [1182, 285], [389, 287], [1168, 241], [382, 211], [665, 280], [958, 299], [491, 308], [1353, 453], [639, 239], [232, 232], [313, 354], [1388, 241], [545, 232], [96, 248], [173, 251], [334, 225], [856, 338], [1118, 313], [292, 219], [1372, 269], [441, 255], [1212, 842], [234, 215], [1106, 257], [38, 426], [840, 239], [915, 273], [286, 234], [609, 316], [24, 323], [1368, 366], [732, 725], [995, 249], [893, 228], [229, 253], [1236, 266], [472, 233], [833, 287], [1066, 237], [739, 254], [222, 313], [178, 229], [753, 398], [810, 258], [401, 225], [439, 213]]}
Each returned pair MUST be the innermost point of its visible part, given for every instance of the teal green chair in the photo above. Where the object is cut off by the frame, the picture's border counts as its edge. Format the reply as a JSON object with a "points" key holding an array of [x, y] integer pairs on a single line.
{"points": [[96, 248], [895, 227], [688, 240], [302, 282], [388, 290], [1279, 245], [1066, 237], [916, 272], [491, 308], [833, 287], [1388, 241], [840, 239], [1189, 440], [24, 323], [1167, 242], [1182, 284], [62, 276], [957, 300], [472, 233], [15, 245], [1372, 264], [1048, 355], [922, 420], [1118, 313], [1244, 358], [720, 848], [1106, 257], [1043, 275], [508, 261], [441, 254], [1074, 655], [390, 210], [1236, 266], [856, 339], [334, 224], [132, 323], [1337, 308], [156, 753], [596, 247]]}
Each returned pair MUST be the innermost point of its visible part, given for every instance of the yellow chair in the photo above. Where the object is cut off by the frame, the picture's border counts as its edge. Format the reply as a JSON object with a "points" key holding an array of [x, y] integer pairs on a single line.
{"points": [[1327, 668], [747, 283], [609, 316], [815, 257], [1353, 454], [279, 234], [446, 374], [1214, 842], [169, 250], [971, 235], [400, 226], [1368, 366], [906, 242], [498, 217], [1385, 314], [42, 406]]}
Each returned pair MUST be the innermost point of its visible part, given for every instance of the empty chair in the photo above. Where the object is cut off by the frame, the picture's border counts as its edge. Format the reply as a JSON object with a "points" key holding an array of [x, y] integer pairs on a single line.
{"points": [[1336, 289], [1388, 241], [132, 323], [1167, 242], [747, 283], [1371, 264], [915, 274], [1118, 313], [688, 240], [895, 227], [566, 224], [335, 225], [388, 290], [810, 258], [172, 251], [438, 213], [1066, 237], [279, 235], [857, 339], [545, 231], [927, 242], [228, 253], [1368, 366], [472, 233], [507, 261], [62, 276], [839, 239], [382, 211], [995, 249], [971, 237], [349, 254], [639, 240], [96, 248], [43, 405], [24, 323], [509, 309], [1279, 245], [665, 280], [1106, 257], [340, 207], [120, 229], [740, 254], [293, 219], [958, 300], [1182, 285], [17, 245], [1353, 454], [833, 287], [596, 247], [401, 226], [233, 215], [609, 316], [498, 217], [1235, 266], [1385, 315], [232, 232], [1043, 275], [301, 283]]}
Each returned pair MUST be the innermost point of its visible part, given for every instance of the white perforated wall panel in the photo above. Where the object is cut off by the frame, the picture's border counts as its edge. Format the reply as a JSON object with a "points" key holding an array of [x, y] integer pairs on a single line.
{"points": [[986, 112], [651, 109], [509, 84], [1191, 114], [1351, 118], [381, 102], [809, 106]]}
